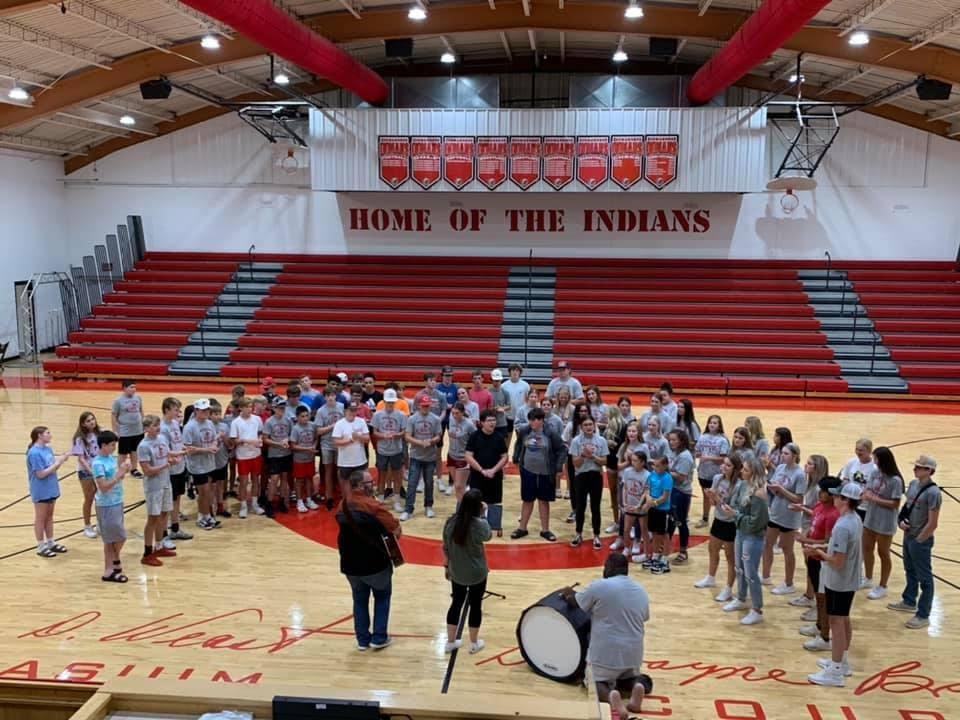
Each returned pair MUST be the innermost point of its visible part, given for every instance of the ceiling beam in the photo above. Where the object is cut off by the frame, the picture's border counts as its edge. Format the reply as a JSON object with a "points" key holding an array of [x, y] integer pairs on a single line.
{"points": [[45, 146], [788, 68], [935, 31], [97, 15], [861, 15], [943, 114], [526, 7], [845, 79], [351, 8], [105, 119], [70, 122], [563, 46], [24, 75], [206, 23], [154, 113], [54, 44], [506, 46], [703, 6]]}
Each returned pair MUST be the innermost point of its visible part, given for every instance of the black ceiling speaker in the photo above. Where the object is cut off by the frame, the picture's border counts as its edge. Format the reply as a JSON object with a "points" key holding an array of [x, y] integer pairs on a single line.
{"points": [[663, 47], [933, 90], [155, 89], [399, 47]]}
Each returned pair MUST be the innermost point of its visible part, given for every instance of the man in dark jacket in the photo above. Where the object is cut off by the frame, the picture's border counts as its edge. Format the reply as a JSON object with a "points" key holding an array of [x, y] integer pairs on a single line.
{"points": [[539, 453], [365, 561]]}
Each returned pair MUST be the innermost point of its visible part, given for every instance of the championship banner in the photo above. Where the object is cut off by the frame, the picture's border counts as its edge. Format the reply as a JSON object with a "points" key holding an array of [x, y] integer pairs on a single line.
{"points": [[425, 158], [492, 161], [660, 153], [558, 156], [458, 161], [593, 155], [626, 155], [524, 161], [394, 153]]}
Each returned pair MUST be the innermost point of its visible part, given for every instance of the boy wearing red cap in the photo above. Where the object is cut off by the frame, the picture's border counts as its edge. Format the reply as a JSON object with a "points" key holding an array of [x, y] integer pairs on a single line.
{"points": [[422, 433]]}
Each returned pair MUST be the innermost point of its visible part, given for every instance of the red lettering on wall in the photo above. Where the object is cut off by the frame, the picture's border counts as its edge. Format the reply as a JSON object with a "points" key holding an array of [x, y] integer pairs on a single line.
{"points": [[81, 671], [395, 220], [701, 221], [755, 708], [224, 676]]}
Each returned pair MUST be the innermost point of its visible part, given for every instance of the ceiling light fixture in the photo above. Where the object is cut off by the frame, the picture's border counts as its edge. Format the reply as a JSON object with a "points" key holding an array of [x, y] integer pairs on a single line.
{"points": [[281, 78], [448, 58], [633, 11], [858, 38], [793, 78], [619, 56], [127, 120], [18, 93], [209, 42], [417, 13]]}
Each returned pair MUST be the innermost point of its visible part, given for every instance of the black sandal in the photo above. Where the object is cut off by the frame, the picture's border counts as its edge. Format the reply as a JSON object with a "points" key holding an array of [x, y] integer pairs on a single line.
{"points": [[58, 548], [681, 557], [518, 533], [116, 576], [46, 552], [548, 536]]}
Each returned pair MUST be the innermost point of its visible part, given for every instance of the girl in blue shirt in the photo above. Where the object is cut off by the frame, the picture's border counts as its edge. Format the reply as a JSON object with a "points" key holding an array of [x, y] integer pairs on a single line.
{"points": [[42, 466]]}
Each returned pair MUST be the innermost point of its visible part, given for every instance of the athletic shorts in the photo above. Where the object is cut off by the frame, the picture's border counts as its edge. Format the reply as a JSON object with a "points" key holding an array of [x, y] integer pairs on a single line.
{"points": [[219, 474], [178, 483], [83, 475], [280, 465], [781, 528], [110, 523], [328, 456], [250, 466], [839, 602], [510, 425], [490, 488], [621, 680], [705, 483], [813, 573], [456, 463], [723, 530], [201, 479], [304, 470], [159, 501], [344, 473], [129, 444], [657, 521], [537, 487], [386, 463]]}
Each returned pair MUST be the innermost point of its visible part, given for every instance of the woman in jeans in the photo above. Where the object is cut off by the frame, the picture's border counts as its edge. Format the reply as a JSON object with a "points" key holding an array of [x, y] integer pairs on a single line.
{"points": [[882, 498], [681, 468], [464, 534], [363, 559], [749, 506]]}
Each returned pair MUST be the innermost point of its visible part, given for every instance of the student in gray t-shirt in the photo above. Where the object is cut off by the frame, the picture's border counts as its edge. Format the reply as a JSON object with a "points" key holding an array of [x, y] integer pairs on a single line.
{"points": [[840, 577], [126, 419], [201, 441], [459, 431], [388, 427], [422, 433], [924, 500], [589, 452], [784, 488]]}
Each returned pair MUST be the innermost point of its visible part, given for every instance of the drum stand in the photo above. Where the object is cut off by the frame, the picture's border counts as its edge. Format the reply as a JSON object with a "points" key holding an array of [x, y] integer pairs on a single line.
{"points": [[489, 593]]}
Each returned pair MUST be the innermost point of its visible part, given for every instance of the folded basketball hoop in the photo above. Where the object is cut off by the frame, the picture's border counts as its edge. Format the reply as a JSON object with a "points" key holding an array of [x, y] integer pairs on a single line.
{"points": [[788, 186]]}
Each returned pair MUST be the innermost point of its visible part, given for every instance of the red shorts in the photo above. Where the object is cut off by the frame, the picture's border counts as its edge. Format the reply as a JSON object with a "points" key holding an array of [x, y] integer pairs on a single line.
{"points": [[253, 466], [452, 462], [304, 471]]}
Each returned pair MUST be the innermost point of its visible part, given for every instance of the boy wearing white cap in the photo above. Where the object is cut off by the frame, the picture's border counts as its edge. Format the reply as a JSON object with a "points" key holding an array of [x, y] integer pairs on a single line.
{"points": [[388, 428], [501, 403], [201, 440], [918, 520], [840, 576]]}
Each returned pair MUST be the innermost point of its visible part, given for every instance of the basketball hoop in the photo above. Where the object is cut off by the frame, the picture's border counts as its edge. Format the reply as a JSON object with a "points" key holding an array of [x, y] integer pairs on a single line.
{"points": [[790, 185]]}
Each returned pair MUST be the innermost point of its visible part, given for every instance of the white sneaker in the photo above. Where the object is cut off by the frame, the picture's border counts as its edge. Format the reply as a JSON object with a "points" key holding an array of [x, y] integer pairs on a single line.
{"points": [[404, 516], [777, 550], [802, 601], [829, 676], [752, 618], [449, 490], [845, 668], [420, 487], [734, 605], [312, 505], [726, 595], [451, 646], [255, 506], [168, 544], [809, 631], [708, 582], [611, 529], [430, 512], [90, 531], [877, 593], [636, 549], [641, 558], [398, 506], [809, 615], [477, 646], [816, 644], [766, 581], [243, 512], [865, 584], [617, 544], [301, 507], [784, 590], [442, 486], [633, 533]]}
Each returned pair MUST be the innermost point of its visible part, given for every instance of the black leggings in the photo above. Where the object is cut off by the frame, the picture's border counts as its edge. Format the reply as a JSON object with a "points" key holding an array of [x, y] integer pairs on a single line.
{"points": [[588, 483], [472, 593]]}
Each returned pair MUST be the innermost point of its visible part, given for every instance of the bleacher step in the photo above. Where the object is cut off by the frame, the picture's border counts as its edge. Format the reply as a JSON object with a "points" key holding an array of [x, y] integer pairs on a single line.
{"points": [[205, 368], [215, 337], [244, 312], [822, 275], [232, 299], [884, 384], [822, 286], [518, 331], [865, 367], [204, 352], [260, 267], [848, 309], [538, 304], [223, 323], [528, 317], [858, 351], [519, 317], [248, 288], [844, 322]]}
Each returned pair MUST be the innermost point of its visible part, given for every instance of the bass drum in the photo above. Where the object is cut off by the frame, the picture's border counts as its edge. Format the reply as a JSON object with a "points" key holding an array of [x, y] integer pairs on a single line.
{"points": [[553, 638]]}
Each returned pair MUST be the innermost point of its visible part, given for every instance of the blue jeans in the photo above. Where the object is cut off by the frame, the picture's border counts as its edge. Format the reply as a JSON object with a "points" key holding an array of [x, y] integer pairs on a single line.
{"points": [[917, 566], [418, 468], [748, 550], [381, 584]]}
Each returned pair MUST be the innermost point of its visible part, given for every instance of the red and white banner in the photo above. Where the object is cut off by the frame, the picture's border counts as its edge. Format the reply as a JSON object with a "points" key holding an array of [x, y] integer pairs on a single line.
{"points": [[558, 156], [524, 161], [492, 161], [593, 160], [660, 159], [425, 156], [458, 161], [626, 160], [394, 153]]}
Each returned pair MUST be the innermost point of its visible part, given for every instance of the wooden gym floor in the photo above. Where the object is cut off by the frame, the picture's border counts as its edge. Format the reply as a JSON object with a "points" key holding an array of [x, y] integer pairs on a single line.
{"points": [[263, 602]]}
